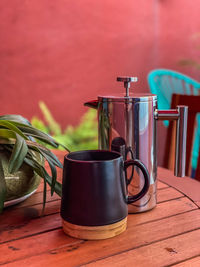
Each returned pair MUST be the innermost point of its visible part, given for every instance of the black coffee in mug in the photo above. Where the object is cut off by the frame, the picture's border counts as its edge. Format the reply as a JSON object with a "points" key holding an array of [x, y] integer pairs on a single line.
{"points": [[94, 193]]}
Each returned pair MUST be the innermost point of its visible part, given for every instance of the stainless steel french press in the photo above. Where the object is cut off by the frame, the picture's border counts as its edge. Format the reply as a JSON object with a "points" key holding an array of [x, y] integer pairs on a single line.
{"points": [[127, 123]]}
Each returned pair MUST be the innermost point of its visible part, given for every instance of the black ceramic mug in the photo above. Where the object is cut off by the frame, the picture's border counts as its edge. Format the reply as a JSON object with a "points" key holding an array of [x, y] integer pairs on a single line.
{"points": [[94, 189]]}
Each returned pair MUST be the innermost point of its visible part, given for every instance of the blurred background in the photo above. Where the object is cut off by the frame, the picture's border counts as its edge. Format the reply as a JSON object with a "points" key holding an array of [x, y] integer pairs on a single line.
{"points": [[65, 53]]}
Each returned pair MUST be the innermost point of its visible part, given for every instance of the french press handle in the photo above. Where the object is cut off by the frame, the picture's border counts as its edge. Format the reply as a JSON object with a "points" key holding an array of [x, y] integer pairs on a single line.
{"points": [[180, 114]]}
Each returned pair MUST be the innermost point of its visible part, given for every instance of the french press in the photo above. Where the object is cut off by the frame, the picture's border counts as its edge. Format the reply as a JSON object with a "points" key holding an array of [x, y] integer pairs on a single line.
{"points": [[127, 123]]}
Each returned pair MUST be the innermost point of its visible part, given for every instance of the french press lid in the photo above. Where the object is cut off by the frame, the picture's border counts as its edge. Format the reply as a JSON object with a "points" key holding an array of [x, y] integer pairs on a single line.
{"points": [[128, 97]]}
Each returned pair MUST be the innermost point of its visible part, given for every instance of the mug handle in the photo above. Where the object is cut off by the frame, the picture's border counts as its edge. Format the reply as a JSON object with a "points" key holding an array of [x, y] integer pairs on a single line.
{"points": [[139, 164], [129, 150]]}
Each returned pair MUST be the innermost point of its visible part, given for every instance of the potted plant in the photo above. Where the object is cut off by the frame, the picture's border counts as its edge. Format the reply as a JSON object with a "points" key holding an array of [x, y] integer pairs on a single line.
{"points": [[22, 157]]}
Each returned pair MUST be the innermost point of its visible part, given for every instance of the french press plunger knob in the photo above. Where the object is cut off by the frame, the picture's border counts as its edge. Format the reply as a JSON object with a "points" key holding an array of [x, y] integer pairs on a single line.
{"points": [[127, 81]]}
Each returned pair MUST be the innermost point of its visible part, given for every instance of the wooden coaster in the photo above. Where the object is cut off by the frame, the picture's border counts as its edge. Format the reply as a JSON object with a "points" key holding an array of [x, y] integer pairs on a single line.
{"points": [[94, 232]]}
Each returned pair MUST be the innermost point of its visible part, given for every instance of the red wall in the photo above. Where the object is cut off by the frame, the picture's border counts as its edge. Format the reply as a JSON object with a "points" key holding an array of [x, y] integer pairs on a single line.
{"points": [[67, 52]]}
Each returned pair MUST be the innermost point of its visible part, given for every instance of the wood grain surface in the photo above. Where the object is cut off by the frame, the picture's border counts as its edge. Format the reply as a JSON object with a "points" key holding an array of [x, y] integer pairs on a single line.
{"points": [[165, 236]]}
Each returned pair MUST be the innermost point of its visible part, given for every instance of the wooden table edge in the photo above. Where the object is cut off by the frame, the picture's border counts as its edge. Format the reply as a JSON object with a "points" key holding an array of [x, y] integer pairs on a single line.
{"points": [[186, 185]]}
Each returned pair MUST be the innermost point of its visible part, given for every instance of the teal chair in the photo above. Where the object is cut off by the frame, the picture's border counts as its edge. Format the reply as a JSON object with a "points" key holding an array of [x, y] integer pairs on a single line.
{"points": [[164, 83]]}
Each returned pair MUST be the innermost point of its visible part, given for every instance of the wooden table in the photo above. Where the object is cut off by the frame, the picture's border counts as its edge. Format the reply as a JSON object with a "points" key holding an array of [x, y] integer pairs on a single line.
{"points": [[167, 235]]}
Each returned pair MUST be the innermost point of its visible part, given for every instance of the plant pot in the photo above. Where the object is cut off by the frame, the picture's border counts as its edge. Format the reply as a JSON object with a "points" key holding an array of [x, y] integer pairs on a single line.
{"points": [[21, 184]]}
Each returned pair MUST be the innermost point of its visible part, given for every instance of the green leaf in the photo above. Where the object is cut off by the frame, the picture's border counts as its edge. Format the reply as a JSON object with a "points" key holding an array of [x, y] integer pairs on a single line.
{"points": [[53, 173], [31, 131], [13, 117], [52, 124], [2, 187], [52, 161], [45, 152], [15, 134], [44, 195], [39, 124], [12, 127], [18, 154], [40, 170], [5, 133]]}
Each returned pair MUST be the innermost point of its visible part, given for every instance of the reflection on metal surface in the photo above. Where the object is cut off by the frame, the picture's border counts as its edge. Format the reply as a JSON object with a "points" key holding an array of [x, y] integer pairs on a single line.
{"points": [[148, 203], [118, 144], [134, 123], [104, 126], [130, 121]]}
